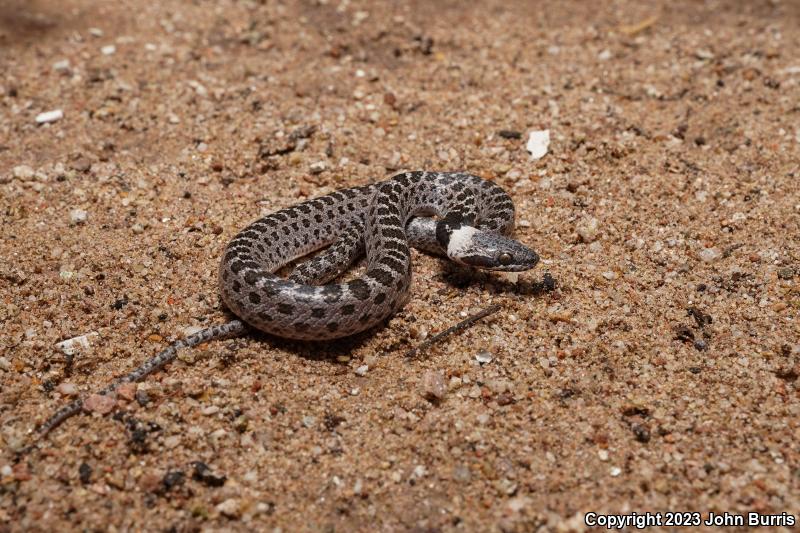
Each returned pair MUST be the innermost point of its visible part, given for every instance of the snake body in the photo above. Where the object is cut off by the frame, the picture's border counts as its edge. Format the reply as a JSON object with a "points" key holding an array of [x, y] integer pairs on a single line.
{"points": [[381, 220]]}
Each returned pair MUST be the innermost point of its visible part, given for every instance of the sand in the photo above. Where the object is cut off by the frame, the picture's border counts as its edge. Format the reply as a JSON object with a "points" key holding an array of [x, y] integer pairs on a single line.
{"points": [[659, 374]]}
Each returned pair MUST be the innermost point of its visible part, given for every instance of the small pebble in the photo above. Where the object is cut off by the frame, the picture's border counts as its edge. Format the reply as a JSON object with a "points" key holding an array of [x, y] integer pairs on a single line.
{"points": [[49, 116], [78, 216], [318, 167], [786, 273], [61, 66], [127, 391], [23, 172], [5, 364], [99, 403], [603, 455], [588, 229], [484, 357], [76, 344], [108, 50], [210, 410], [172, 441], [362, 370], [433, 385], [230, 508], [707, 255], [67, 389], [615, 471]]}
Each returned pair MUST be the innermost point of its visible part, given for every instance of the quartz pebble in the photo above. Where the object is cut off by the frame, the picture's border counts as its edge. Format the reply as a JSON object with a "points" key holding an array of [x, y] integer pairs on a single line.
{"points": [[49, 116], [484, 357], [78, 216], [707, 255]]}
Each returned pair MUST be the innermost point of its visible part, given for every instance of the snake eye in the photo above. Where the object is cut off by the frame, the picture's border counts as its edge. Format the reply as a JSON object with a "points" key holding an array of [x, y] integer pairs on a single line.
{"points": [[505, 258]]}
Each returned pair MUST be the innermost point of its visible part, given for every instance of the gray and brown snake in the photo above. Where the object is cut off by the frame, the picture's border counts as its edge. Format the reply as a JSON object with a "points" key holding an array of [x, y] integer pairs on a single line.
{"points": [[453, 214]]}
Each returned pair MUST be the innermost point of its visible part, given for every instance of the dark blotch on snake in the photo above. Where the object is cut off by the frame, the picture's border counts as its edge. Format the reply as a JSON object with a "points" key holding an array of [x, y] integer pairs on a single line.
{"points": [[348, 309], [318, 312], [359, 288], [332, 326], [254, 297], [285, 309]]}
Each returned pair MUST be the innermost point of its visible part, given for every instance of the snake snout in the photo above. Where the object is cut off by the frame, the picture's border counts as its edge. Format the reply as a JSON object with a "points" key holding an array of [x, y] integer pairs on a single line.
{"points": [[490, 251]]}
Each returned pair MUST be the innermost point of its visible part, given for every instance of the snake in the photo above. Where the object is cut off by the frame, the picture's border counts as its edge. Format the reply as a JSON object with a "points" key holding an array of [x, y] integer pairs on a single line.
{"points": [[457, 215]]}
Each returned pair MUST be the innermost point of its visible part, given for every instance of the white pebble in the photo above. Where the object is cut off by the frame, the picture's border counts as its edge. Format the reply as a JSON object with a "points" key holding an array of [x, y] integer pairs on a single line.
{"points": [[707, 255], [362, 370], [5, 365], [23, 172], [210, 410], [78, 216], [603, 455], [75, 344], [230, 508], [61, 66], [615, 471], [538, 142], [588, 229], [67, 389], [483, 357], [108, 50], [49, 116]]}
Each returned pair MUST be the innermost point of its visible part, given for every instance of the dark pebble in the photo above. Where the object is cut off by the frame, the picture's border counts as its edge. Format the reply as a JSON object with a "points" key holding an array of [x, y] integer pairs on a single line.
{"points": [[142, 398], [786, 273], [85, 473], [641, 432], [510, 134], [120, 303], [204, 475], [172, 479]]}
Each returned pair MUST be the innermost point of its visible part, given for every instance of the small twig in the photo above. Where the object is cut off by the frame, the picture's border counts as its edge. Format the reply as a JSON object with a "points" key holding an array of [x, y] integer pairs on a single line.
{"points": [[461, 326]]}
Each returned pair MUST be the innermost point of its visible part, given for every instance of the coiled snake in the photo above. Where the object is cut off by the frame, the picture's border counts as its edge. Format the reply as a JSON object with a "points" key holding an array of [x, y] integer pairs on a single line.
{"points": [[380, 220]]}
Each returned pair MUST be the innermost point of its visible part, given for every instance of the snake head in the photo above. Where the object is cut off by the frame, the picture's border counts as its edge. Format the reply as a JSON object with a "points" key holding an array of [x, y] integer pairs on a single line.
{"points": [[489, 251]]}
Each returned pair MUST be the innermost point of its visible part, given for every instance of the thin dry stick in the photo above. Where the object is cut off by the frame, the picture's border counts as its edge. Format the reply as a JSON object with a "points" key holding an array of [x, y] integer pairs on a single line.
{"points": [[461, 326]]}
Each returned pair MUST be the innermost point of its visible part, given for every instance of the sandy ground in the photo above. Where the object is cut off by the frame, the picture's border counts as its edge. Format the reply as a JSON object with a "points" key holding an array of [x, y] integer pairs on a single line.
{"points": [[660, 375]]}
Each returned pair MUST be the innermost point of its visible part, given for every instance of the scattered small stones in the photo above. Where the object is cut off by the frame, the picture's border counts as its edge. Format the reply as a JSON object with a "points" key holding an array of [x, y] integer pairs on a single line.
{"points": [[99, 403], [49, 116], [433, 385]]}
